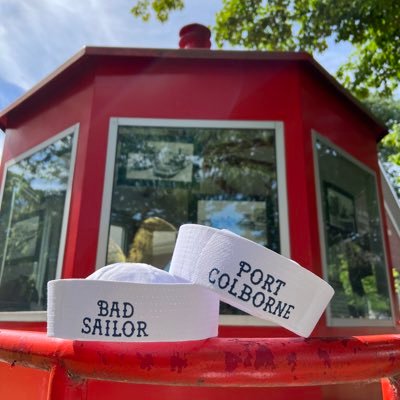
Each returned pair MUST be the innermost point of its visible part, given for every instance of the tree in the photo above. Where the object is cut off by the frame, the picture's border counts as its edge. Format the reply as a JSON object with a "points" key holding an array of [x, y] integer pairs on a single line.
{"points": [[391, 145], [388, 110], [371, 26]]}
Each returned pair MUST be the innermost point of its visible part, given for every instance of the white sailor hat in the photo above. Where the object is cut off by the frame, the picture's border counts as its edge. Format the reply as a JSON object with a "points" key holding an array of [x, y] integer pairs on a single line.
{"points": [[130, 302]]}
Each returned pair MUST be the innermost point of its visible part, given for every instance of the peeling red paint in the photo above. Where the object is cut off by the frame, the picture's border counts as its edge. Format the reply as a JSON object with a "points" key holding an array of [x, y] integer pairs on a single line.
{"points": [[102, 357], [292, 360], [324, 356], [262, 362], [329, 339], [248, 359], [146, 361], [344, 342], [232, 361], [178, 363], [264, 358], [392, 358]]}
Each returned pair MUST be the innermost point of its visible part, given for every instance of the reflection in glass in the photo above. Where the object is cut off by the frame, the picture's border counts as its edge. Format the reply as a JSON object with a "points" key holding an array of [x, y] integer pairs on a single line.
{"points": [[354, 249], [166, 177], [30, 225], [245, 218]]}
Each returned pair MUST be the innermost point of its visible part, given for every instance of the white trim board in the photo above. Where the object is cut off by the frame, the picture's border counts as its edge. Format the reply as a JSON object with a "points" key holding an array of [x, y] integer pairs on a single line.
{"points": [[74, 131], [346, 322]]}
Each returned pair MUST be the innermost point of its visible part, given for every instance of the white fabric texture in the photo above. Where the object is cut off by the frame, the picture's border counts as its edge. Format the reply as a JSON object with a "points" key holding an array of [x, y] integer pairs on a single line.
{"points": [[131, 303], [250, 277], [142, 273]]}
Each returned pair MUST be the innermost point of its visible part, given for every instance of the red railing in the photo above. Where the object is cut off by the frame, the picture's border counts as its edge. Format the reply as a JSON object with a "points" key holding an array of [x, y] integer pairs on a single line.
{"points": [[213, 362]]}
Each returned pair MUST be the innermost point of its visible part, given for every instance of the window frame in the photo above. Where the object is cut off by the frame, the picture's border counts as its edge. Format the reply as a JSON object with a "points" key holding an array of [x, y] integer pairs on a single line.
{"points": [[277, 126], [347, 322], [40, 316]]}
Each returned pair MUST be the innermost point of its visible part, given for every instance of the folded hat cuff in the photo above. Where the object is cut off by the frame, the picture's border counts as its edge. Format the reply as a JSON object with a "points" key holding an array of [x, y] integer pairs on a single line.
{"points": [[84, 309], [250, 277]]}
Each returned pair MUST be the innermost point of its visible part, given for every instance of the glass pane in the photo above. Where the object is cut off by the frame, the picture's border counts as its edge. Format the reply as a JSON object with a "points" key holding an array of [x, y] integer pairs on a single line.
{"points": [[30, 226], [165, 177], [354, 249]]}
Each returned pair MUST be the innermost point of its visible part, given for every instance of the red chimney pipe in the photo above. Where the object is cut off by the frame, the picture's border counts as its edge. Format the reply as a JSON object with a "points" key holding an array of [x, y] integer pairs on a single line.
{"points": [[194, 36]]}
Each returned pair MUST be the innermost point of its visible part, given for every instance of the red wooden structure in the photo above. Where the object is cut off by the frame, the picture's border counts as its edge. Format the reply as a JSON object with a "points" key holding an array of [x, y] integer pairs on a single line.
{"points": [[102, 94], [74, 370]]}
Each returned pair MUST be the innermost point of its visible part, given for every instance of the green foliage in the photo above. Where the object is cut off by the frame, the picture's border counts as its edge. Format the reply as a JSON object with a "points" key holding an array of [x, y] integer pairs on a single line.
{"points": [[371, 302], [391, 145], [390, 156], [396, 279], [371, 26], [161, 8], [388, 111], [256, 24]]}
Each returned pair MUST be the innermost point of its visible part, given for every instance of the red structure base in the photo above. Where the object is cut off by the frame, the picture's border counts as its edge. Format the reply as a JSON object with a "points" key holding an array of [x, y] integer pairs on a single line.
{"points": [[64, 367]]}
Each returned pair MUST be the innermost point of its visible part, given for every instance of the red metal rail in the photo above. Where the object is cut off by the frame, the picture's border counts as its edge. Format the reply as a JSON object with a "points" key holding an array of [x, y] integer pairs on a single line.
{"points": [[212, 362]]}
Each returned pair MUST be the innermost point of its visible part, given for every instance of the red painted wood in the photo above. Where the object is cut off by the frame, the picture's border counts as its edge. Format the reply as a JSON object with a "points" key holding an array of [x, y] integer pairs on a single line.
{"points": [[102, 390], [21, 383], [148, 84], [64, 386], [391, 388], [212, 362], [100, 84]]}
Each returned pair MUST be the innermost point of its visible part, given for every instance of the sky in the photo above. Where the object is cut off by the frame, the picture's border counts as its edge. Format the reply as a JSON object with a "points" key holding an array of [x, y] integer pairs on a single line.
{"points": [[37, 36]]}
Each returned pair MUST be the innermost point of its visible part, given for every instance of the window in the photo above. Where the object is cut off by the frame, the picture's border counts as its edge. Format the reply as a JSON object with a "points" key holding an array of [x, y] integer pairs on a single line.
{"points": [[355, 262], [168, 173], [32, 218]]}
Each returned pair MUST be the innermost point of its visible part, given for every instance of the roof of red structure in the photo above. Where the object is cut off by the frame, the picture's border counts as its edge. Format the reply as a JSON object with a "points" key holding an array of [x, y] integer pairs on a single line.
{"points": [[88, 53]]}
